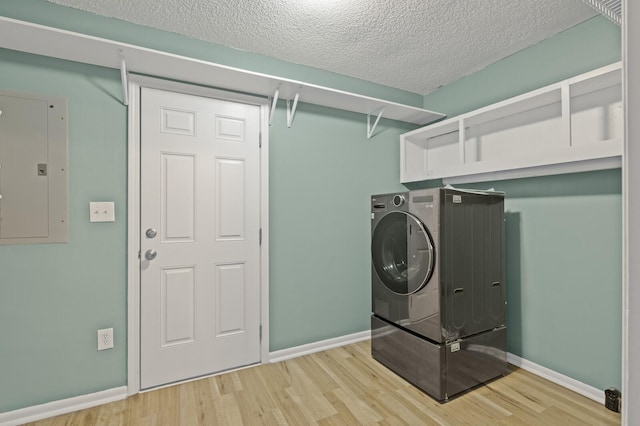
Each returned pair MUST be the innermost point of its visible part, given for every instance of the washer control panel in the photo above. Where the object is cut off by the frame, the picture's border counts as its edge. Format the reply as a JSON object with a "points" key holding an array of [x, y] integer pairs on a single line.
{"points": [[398, 200]]}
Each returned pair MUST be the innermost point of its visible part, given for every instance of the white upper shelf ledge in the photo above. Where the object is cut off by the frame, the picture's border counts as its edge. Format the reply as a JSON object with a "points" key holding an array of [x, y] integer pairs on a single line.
{"points": [[47, 41]]}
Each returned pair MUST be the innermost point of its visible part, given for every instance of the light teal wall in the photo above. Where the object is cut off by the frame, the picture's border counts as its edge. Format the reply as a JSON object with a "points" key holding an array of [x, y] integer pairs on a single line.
{"points": [[53, 298], [322, 172], [564, 273], [564, 263], [563, 233]]}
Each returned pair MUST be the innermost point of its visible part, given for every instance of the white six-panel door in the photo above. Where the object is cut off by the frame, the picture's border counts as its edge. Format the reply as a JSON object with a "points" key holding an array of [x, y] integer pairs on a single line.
{"points": [[200, 218]]}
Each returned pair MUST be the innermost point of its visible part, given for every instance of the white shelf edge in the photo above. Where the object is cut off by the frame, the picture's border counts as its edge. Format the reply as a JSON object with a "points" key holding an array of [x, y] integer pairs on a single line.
{"points": [[536, 171], [594, 73], [576, 166], [433, 129], [517, 99], [53, 42], [596, 156], [568, 159], [542, 91]]}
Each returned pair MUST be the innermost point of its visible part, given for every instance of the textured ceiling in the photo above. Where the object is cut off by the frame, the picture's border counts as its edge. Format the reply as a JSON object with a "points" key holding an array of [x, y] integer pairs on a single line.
{"points": [[415, 45]]}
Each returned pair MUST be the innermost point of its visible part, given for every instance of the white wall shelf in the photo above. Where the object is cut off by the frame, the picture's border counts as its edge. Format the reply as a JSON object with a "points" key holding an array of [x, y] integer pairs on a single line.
{"points": [[53, 42], [574, 125]]}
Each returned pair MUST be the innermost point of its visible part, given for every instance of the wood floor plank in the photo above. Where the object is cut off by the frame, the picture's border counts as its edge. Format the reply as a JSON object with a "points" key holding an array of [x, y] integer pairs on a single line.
{"points": [[309, 393], [341, 407], [341, 386], [294, 413], [565, 399]]}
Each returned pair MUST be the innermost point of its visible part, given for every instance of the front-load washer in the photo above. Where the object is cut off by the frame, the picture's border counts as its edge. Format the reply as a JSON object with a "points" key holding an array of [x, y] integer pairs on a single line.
{"points": [[404, 248], [438, 294]]}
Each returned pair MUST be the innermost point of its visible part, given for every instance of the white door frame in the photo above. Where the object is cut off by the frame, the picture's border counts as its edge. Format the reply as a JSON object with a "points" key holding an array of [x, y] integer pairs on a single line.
{"points": [[133, 213], [631, 209]]}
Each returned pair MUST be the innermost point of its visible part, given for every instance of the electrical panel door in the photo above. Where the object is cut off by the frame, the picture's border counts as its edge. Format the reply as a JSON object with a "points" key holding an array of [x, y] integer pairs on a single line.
{"points": [[33, 169]]}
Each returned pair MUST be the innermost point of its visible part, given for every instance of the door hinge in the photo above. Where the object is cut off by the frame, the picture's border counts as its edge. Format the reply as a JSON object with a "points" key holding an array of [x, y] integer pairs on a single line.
{"points": [[260, 236], [139, 254], [260, 332], [260, 140]]}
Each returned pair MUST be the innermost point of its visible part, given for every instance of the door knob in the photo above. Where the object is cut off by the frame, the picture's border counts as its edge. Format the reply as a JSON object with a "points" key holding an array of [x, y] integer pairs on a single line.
{"points": [[151, 233], [150, 254]]}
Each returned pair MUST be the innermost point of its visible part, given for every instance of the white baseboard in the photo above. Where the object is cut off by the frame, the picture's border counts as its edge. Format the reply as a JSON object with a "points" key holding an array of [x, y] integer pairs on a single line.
{"points": [[322, 345], [56, 408], [553, 376], [557, 378], [63, 406]]}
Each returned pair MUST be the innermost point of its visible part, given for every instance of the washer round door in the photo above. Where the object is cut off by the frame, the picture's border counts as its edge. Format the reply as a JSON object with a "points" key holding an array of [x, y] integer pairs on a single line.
{"points": [[402, 252]]}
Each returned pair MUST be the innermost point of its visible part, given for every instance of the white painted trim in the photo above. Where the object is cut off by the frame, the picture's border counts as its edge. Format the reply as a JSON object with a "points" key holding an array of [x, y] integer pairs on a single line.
{"points": [[566, 156], [322, 345], [264, 225], [557, 378], [630, 209], [56, 408], [626, 211], [133, 241], [54, 42], [604, 163], [546, 373], [63, 406], [133, 230]]}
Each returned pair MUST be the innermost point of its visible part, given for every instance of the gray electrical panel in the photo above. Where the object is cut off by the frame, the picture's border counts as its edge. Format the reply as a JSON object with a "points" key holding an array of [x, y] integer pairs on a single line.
{"points": [[33, 169]]}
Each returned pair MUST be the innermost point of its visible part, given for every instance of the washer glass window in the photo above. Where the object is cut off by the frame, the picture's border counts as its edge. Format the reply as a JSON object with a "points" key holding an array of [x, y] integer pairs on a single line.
{"points": [[402, 252]]}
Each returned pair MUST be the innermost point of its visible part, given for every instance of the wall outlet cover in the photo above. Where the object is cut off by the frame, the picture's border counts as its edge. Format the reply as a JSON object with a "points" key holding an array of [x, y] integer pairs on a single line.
{"points": [[105, 339]]}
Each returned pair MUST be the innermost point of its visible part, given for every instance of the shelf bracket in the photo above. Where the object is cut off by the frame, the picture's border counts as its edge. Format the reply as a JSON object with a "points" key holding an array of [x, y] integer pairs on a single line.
{"points": [[371, 129], [291, 111], [274, 101], [124, 77], [565, 102]]}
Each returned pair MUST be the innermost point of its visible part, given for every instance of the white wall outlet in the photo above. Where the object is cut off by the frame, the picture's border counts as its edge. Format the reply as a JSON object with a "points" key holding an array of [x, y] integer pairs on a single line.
{"points": [[104, 211], [105, 339]]}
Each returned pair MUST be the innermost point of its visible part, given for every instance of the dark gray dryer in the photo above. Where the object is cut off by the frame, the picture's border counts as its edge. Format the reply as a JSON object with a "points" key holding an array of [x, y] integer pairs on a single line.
{"points": [[438, 293]]}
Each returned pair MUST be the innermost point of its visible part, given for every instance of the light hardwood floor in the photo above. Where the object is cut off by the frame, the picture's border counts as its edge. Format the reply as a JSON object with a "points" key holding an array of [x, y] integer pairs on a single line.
{"points": [[342, 386]]}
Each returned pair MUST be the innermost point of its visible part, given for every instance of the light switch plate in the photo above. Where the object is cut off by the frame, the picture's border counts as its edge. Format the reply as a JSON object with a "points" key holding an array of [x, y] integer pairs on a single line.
{"points": [[103, 211]]}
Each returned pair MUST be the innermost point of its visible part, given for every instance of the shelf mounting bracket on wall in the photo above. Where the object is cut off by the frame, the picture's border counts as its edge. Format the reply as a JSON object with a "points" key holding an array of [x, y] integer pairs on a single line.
{"points": [[71, 46], [274, 102], [291, 110], [370, 128], [124, 76]]}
